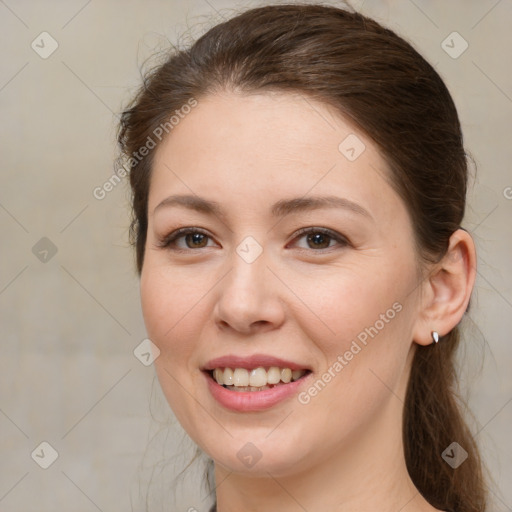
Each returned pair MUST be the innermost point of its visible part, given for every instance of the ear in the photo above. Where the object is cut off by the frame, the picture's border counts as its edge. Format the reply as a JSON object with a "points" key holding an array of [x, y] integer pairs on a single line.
{"points": [[447, 289]]}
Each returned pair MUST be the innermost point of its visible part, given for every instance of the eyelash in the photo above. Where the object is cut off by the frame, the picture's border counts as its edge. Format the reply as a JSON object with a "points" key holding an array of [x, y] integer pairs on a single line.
{"points": [[167, 241]]}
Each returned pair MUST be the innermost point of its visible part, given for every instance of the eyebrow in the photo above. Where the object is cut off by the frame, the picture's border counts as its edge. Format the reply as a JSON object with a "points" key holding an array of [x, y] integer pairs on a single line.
{"points": [[279, 209]]}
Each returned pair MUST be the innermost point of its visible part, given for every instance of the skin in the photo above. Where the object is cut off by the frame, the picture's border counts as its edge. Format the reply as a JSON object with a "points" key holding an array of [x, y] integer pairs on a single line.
{"points": [[343, 449]]}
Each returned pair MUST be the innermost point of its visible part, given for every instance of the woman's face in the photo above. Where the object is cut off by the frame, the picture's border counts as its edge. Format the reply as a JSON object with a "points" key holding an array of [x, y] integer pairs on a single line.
{"points": [[300, 256]]}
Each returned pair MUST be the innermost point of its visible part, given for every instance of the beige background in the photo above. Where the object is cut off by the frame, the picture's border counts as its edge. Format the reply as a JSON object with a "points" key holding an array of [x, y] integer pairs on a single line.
{"points": [[68, 375]]}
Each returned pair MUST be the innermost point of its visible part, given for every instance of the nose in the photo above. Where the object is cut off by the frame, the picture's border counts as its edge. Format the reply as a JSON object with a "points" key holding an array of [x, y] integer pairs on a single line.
{"points": [[248, 300]]}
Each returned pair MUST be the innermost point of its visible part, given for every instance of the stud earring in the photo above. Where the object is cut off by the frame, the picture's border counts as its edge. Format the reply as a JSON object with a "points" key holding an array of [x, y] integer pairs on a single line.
{"points": [[435, 336]]}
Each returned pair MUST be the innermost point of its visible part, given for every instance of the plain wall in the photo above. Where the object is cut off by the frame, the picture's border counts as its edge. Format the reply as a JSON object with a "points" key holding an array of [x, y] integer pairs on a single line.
{"points": [[70, 324]]}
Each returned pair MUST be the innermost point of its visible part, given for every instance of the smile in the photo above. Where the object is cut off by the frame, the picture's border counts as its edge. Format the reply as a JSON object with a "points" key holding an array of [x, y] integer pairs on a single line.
{"points": [[251, 383], [257, 379]]}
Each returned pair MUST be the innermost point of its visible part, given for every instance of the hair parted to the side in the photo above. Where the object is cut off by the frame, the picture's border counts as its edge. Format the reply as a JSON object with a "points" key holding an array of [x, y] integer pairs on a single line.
{"points": [[378, 82]]}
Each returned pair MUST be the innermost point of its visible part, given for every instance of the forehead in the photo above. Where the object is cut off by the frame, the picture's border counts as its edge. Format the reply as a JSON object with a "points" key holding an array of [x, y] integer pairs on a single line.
{"points": [[252, 150]]}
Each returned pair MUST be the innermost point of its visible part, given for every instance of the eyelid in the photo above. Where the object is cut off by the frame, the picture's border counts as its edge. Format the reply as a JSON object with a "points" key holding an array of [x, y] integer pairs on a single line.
{"points": [[165, 242], [342, 240]]}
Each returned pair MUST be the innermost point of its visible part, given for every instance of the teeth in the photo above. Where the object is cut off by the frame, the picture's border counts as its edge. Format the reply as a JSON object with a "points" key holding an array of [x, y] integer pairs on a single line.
{"points": [[286, 375], [273, 375], [241, 377], [229, 378], [256, 379], [297, 374]]}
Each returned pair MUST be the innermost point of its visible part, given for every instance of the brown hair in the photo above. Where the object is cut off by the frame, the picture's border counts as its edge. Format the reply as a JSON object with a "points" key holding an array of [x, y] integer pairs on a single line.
{"points": [[384, 87]]}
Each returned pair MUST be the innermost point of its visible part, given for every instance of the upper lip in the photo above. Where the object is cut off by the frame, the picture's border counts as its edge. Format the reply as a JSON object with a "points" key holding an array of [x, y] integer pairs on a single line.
{"points": [[252, 361]]}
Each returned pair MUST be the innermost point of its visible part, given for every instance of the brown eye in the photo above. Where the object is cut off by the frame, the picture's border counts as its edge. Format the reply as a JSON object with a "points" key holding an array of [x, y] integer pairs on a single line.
{"points": [[196, 240], [186, 238], [318, 240]]}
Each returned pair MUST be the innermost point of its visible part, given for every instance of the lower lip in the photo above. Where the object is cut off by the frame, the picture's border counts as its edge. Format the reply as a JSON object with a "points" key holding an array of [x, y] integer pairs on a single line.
{"points": [[248, 401]]}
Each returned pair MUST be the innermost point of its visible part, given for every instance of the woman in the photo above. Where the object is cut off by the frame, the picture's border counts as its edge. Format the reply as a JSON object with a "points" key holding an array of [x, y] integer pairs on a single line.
{"points": [[299, 183]]}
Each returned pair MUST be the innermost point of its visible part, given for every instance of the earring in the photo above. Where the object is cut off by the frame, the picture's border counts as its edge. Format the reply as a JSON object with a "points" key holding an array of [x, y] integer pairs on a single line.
{"points": [[435, 336]]}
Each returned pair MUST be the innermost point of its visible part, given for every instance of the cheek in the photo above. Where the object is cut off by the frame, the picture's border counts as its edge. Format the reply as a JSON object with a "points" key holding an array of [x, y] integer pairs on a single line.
{"points": [[167, 307], [168, 299], [168, 310], [157, 305], [363, 330], [345, 305]]}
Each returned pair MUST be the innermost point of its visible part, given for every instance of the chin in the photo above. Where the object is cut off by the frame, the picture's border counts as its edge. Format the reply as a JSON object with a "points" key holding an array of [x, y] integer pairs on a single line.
{"points": [[257, 453]]}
